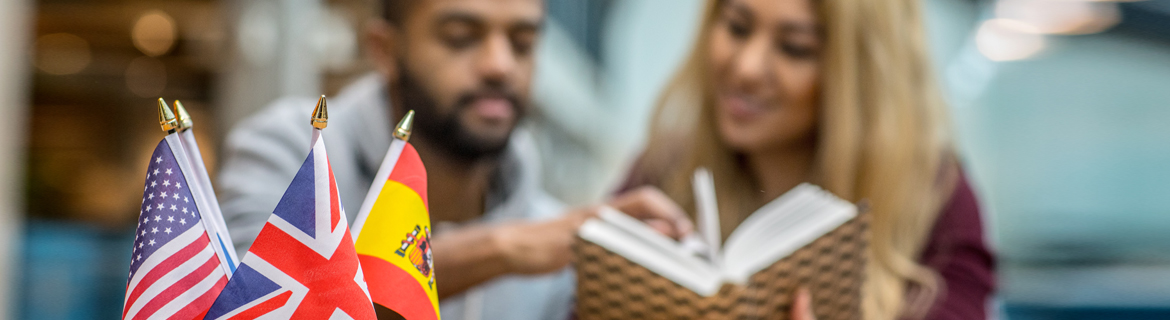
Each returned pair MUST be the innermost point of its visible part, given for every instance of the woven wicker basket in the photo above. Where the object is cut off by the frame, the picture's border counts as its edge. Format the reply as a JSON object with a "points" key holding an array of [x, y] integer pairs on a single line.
{"points": [[831, 267]]}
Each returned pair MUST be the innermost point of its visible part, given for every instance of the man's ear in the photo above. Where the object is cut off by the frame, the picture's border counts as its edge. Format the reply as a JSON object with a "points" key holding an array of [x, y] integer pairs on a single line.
{"points": [[382, 47]]}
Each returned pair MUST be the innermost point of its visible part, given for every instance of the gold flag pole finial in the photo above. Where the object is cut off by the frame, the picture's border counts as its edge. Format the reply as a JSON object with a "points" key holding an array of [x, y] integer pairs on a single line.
{"points": [[320, 114], [184, 118], [402, 131], [166, 118]]}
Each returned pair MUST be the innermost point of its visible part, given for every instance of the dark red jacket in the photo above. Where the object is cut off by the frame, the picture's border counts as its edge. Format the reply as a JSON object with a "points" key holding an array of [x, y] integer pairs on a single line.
{"points": [[958, 252]]}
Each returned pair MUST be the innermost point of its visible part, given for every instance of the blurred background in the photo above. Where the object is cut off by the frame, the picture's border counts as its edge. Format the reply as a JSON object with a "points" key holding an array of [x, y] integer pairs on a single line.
{"points": [[1060, 108]]}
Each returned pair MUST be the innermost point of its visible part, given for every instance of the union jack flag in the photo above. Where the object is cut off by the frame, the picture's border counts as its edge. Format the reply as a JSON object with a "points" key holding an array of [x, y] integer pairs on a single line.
{"points": [[303, 264], [174, 271]]}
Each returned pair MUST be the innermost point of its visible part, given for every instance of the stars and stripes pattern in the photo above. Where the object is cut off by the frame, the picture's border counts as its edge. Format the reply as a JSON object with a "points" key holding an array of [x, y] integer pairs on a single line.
{"points": [[174, 272], [303, 264]]}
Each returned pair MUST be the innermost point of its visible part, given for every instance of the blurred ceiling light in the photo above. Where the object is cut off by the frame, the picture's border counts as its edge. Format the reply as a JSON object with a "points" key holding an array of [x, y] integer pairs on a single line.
{"points": [[1061, 16], [1006, 40], [146, 77], [154, 33], [61, 54]]}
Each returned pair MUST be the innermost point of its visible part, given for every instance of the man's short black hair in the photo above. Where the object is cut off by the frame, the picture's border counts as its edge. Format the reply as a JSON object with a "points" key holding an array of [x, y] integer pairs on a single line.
{"points": [[395, 11]]}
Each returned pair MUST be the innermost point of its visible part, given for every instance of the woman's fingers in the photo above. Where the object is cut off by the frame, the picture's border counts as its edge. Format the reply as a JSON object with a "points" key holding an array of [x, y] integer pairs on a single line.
{"points": [[649, 204], [662, 226], [802, 307]]}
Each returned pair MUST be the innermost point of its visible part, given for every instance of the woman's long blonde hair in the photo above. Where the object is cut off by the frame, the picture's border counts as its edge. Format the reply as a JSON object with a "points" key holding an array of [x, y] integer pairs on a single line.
{"points": [[882, 136]]}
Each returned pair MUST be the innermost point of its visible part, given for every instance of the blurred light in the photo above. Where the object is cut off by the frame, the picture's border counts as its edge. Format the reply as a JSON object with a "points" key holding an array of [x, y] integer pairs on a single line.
{"points": [[101, 193], [1006, 40], [1061, 16], [258, 33], [61, 54], [335, 42], [154, 33], [146, 77]]}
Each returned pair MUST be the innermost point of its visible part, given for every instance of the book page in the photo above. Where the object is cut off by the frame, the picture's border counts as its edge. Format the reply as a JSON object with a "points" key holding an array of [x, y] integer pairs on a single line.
{"points": [[707, 214], [771, 218], [787, 202], [781, 227], [643, 245]]}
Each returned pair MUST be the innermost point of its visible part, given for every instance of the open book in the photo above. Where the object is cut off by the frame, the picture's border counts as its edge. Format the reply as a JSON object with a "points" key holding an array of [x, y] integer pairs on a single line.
{"points": [[820, 234]]}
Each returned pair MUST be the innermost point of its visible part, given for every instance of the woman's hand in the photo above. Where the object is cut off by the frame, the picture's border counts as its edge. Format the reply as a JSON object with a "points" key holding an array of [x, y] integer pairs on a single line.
{"points": [[802, 307], [655, 209]]}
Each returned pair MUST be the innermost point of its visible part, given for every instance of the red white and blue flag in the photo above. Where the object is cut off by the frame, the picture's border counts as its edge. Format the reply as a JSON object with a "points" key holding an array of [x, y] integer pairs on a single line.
{"points": [[303, 264], [175, 273]]}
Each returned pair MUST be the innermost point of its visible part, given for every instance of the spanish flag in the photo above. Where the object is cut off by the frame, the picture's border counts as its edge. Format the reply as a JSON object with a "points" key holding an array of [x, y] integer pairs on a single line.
{"points": [[392, 233]]}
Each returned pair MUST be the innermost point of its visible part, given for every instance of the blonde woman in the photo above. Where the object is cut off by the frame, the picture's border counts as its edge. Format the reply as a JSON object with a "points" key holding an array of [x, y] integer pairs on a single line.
{"points": [[837, 93]]}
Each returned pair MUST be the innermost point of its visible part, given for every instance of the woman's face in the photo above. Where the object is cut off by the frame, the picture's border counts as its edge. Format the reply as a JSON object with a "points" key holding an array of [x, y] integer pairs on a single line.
{"points": [[764, 56]]}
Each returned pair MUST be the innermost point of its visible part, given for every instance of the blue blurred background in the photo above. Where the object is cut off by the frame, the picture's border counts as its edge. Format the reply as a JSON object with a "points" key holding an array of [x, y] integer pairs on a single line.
{"points": [[1060, 109]]}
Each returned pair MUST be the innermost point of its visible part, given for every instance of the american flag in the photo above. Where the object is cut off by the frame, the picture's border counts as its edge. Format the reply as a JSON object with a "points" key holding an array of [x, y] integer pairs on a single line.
{"points": [[174, 272], [303, 264]]}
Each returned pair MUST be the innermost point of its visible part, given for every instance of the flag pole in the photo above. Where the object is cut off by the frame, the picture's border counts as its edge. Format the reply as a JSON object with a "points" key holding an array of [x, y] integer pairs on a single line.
{"points": [[183, 118], [214, 216], [319, 120], [166, 118], [401, 135], [320, 114], [402, 131]]}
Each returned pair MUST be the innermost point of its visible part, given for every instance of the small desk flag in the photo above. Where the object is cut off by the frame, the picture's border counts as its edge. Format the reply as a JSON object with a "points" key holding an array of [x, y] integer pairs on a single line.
{"points": [[303, 264], [392, 233], [175, 271]]}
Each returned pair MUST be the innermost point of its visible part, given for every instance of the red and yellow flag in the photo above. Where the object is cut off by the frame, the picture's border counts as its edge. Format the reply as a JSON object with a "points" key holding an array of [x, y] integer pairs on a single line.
{"points": [[392, 235]]}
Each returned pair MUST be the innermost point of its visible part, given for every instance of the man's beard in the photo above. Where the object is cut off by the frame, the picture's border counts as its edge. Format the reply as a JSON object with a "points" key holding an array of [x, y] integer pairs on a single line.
{"points": [[445, 131]]}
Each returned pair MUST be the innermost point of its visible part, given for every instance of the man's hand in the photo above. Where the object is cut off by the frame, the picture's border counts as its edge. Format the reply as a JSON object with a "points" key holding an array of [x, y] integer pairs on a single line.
{"points": [[655, 209], [472, 255], [540, 247]]}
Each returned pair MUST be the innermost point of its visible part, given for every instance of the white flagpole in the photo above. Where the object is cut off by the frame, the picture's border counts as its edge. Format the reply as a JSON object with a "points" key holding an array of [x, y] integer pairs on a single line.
{"points": [[196, 158], [209, 213], [207, 194], [401, 135]]}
